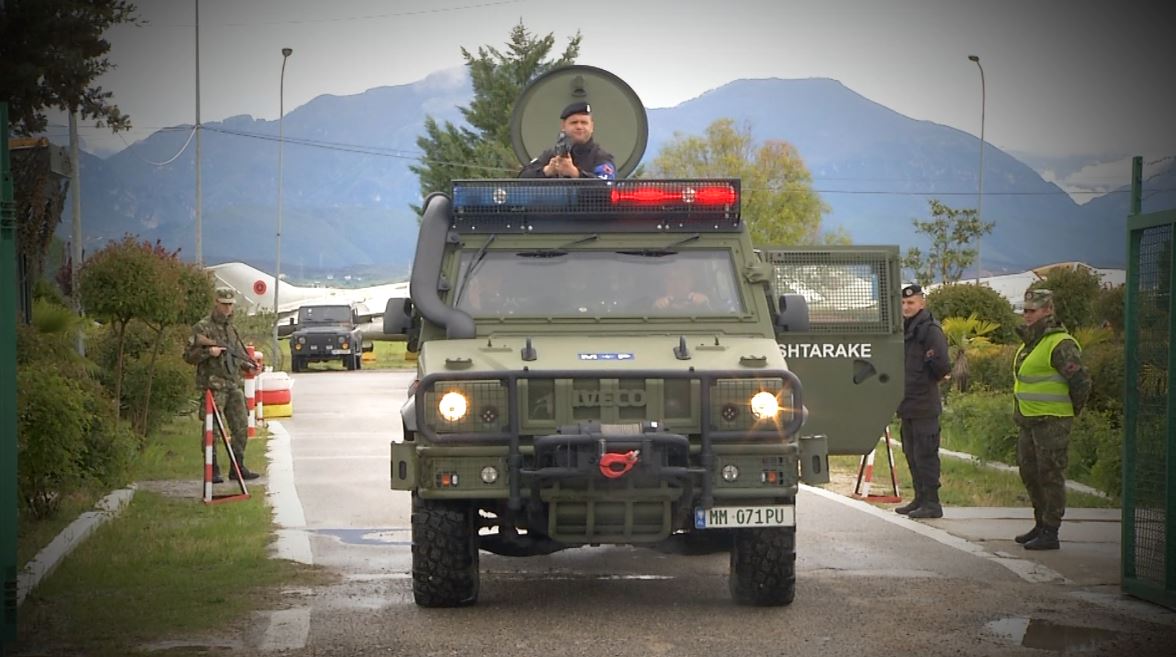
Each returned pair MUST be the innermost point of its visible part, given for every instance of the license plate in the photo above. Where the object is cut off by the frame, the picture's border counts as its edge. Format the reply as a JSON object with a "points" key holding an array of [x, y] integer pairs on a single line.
{"points": [[721, 517], [340, 352]]}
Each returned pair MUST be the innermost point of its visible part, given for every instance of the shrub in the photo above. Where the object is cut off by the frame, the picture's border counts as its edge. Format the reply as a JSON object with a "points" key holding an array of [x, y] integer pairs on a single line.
{"points": [[1074, 294], [172, 388], [981, 424], [991, 369], [1092, 431], [52, 423], [1107, 366], [962, 299]]}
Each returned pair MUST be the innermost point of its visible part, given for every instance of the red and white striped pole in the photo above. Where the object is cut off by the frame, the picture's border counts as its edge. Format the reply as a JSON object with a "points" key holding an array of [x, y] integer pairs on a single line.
{"points": [[259, 409], [208, 445], [865, 476], [251, 395]]}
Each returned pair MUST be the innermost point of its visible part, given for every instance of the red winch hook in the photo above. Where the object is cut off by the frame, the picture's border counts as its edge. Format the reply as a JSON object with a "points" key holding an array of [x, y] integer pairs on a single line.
{"points": [[614, 465]]}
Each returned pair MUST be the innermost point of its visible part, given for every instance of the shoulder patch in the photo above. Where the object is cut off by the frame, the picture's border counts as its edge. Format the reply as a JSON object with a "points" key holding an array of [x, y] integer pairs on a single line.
{"points": [[1071, 368]]}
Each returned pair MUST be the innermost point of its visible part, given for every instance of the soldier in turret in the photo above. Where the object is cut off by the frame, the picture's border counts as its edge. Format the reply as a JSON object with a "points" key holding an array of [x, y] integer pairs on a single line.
{"points": [[581, 158], [217, 351]]}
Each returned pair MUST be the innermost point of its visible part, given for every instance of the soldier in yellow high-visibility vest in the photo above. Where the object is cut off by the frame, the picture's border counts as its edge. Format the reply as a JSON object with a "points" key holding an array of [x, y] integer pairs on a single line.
{"points": [[1050, 386]]}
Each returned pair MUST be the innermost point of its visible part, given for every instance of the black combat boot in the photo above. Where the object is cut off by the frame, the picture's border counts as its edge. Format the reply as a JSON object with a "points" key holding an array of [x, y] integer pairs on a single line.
{"points": [[930, 507], [910, 506], [1047, 539], [1029, 535], [246, 474]]}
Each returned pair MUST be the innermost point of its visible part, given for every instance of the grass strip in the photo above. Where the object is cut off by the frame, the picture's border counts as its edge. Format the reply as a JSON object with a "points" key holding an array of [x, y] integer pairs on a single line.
{"points": [[962, 483], [168, 567]]}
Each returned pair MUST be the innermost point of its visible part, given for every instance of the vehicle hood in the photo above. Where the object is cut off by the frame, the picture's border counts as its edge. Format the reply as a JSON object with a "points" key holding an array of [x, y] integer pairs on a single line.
{"points": [[602, 354]]}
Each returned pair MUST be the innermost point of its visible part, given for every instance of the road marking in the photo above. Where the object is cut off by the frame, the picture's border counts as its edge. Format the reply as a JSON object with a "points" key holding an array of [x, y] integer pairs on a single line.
{"points": [[293, 541], [1027, 570]]}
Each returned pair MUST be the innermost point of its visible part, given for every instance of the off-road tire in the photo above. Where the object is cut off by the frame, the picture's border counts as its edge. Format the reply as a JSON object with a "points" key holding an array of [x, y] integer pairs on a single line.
{"points": [[358, 361], [296, 364], [349, 363], [763, 566], [444, 553]]}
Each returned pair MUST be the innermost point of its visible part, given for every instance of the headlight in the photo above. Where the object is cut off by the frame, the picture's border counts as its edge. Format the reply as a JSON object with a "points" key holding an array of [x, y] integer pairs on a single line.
{"points": [[453, 406], [764, 405]]}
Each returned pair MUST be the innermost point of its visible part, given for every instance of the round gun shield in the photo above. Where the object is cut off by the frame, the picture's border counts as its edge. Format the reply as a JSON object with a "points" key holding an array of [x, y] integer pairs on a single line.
{"points": [[621, 127]]}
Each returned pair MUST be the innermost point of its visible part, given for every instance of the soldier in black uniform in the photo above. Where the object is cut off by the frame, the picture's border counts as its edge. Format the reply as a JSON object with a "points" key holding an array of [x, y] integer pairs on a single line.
{"points": [[927, 363], [585, 158]]}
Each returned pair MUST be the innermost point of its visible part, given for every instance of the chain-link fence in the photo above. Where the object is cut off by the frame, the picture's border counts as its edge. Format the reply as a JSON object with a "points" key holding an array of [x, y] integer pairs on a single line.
{"points": [[1149, 452]]}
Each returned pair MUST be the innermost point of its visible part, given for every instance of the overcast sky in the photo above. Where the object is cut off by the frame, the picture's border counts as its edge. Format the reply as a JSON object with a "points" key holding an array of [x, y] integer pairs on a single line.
{"points": [[1063, 77]]}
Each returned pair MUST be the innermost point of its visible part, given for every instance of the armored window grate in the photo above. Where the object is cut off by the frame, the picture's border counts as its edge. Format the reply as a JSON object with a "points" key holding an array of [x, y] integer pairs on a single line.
{"points": [[847, 292]]}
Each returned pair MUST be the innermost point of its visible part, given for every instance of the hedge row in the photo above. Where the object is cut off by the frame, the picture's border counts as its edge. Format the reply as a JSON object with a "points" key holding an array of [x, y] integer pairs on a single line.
{"points": [[981, 423]]}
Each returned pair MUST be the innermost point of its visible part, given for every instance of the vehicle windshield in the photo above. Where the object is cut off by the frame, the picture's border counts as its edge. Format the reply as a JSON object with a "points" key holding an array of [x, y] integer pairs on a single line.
{"points": [[556, 283], [324, 315]]}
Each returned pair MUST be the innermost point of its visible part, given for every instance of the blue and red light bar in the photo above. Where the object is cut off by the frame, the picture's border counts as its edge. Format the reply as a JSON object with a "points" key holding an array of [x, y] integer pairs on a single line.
{"points": [[604, 205]]}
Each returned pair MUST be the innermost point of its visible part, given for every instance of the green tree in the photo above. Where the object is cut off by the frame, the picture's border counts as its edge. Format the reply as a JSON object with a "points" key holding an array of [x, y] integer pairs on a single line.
{"points": [[963, 299], [123, 282], [483, 149], [1110, 307], [1075, 291], [953, 234], [779, 203], [51, 51]]}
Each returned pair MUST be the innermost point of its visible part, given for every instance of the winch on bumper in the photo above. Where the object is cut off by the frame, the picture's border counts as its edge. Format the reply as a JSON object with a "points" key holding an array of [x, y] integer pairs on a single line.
{"points": [[591, 481]]}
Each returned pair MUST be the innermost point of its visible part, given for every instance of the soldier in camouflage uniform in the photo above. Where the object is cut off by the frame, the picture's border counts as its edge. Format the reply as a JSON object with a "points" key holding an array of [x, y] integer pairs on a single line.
{"points": [[1050, 387], [216, 350]]}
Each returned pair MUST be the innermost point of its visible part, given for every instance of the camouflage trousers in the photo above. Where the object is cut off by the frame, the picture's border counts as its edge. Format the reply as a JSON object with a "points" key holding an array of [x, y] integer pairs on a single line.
{"points": [[1042, 455], [231, 402]]}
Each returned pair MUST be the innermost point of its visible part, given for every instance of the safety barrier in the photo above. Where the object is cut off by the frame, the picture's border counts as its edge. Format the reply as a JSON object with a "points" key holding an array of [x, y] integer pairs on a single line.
{"points": [[275, 393]]}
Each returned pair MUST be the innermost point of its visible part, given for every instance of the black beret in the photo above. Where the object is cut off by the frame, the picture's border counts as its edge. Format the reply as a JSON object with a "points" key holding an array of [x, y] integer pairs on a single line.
{"points": [[578, 107], [911, 289]]}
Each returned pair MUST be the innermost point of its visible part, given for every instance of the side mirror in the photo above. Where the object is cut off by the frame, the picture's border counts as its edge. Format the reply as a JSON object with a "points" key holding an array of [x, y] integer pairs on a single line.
{"points": [[794, 314], [397, 316]]}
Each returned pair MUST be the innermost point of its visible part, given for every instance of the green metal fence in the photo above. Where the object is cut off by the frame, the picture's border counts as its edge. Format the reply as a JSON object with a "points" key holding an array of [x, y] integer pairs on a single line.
{"points": [[1149, 442]]}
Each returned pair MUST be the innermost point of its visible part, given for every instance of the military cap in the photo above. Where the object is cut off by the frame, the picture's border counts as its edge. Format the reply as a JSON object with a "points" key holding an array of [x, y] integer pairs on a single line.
{"points": [[911, 289], [225, 295], [1039, 298], [578, 107]]}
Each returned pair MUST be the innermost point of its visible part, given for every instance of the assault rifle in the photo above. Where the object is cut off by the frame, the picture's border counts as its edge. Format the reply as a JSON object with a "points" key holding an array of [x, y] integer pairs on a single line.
{"points": [[241, 356], [563, 145]]}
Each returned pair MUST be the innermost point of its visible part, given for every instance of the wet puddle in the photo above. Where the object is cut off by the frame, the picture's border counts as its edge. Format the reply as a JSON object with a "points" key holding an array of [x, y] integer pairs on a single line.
{"points": [[369, 536], [1047, 635]]}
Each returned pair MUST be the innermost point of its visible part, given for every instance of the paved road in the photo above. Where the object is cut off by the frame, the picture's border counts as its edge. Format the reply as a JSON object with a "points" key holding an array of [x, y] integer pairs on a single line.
{"points": [[865, 585]]}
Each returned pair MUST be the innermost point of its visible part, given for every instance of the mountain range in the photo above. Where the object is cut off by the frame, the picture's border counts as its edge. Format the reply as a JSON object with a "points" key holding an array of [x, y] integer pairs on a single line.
{"points": [[347, 187]]}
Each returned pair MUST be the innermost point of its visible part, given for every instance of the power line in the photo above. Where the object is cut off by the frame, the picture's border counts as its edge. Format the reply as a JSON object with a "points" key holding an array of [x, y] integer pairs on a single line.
{"points": [[165, 162], [417, 157]]}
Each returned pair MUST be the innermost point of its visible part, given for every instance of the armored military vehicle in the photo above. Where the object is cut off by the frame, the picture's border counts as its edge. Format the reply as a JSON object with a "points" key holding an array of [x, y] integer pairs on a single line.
{"points": [[325, 333], [614, 362]]}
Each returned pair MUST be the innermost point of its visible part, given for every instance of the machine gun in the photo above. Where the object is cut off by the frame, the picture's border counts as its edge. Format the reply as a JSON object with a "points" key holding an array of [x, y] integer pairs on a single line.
{"points": [[242, 358]]}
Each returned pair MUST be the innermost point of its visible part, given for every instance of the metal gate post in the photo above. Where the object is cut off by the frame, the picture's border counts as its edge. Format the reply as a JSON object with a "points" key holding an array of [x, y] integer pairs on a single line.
{"points": [[8, 425]]}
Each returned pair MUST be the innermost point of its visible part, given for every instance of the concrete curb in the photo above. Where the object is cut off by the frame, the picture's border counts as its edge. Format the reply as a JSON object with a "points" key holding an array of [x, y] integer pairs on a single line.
{"points": [[293, 542], [79, 530]]}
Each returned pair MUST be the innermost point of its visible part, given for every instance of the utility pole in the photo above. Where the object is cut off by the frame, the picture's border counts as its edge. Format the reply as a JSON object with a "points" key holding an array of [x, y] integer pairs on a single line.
{"points": [[980, 187], [286, 52], [199, 190], [75, 259]]}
